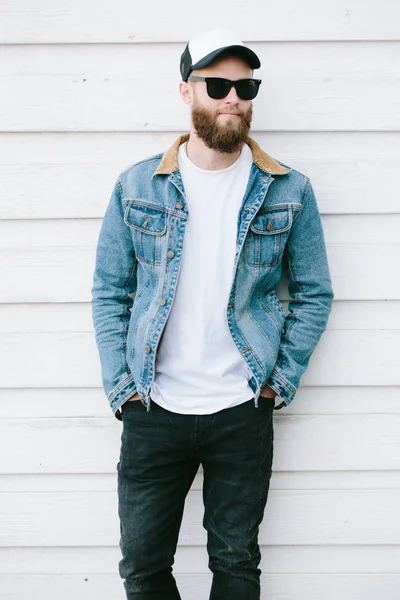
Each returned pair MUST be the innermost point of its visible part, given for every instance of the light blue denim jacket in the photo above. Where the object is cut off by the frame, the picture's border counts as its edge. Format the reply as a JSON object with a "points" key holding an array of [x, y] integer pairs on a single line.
{"points": [[137, 264]]}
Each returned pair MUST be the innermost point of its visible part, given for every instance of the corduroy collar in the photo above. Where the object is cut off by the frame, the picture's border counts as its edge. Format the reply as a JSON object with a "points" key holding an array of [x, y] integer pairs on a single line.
{"points": [[169, 162]]}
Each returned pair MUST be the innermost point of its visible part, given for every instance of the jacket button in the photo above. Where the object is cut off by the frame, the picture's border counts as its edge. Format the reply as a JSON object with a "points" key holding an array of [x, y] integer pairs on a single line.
{"points": [[148, 349], [170, 253], [179, 205], [162, 301], [283, 330]]}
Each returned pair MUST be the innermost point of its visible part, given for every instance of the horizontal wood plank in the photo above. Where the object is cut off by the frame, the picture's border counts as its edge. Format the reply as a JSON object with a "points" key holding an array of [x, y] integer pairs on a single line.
{"points": [[59, 402], [197, 587], [281, 480], [53, 261], [307, 517], [43, 317], [344, 358], [351, 172], [121, 22], [92, 445], [40, 234], [306, 87], [287, 560]]}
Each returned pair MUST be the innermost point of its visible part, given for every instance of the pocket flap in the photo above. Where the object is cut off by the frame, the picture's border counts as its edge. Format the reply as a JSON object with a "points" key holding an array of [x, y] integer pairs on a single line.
{"points": [[146, 219], [272, 221]]}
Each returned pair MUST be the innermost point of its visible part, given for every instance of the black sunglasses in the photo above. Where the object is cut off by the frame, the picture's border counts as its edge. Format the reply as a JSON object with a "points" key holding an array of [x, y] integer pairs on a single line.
{"points": [[218, 87]]}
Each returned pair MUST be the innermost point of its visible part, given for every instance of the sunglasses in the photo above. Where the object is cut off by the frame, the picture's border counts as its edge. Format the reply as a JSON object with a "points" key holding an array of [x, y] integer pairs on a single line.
{"points": [[218, 87]]}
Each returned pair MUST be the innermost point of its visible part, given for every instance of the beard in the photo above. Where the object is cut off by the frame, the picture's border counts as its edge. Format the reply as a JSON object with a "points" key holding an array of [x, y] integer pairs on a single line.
{"points": [[224, 138]]}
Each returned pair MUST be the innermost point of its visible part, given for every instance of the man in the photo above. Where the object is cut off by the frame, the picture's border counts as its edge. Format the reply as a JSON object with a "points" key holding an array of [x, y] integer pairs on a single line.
{"points": [[198, 235]]}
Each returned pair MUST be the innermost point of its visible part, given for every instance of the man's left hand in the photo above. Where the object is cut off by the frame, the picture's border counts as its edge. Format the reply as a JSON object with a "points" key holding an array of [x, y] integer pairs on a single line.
{"points": [[267, 392]]}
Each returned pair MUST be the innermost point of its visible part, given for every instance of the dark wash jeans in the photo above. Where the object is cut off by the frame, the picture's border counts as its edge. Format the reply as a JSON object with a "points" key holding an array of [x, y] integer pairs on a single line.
{"points": [[160, 455]]}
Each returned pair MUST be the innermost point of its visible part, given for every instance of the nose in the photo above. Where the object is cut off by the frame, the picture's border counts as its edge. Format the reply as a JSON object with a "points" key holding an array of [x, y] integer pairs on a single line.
{"points": [[232, 97]]}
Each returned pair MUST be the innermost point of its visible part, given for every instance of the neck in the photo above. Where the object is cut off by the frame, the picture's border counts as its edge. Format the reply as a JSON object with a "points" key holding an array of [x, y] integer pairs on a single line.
{"points": [[207, 158]]}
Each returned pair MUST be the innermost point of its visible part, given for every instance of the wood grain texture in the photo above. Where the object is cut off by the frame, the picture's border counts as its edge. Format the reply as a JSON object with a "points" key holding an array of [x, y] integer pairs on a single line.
{"points": [[293, 517], [306, 87], [82, 402], [63, 317], [368, 559], [124, 22], [303, 443], [345, 358], [309, 586], [71, 175], [53, 261]]}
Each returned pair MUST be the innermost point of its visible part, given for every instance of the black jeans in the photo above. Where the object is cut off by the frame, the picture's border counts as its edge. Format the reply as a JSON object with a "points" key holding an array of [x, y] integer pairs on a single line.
{"points": [[160, 455]]}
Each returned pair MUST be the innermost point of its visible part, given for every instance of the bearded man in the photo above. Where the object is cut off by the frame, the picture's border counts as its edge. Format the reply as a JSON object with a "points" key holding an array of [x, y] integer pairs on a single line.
{"points": [[194, 343]]}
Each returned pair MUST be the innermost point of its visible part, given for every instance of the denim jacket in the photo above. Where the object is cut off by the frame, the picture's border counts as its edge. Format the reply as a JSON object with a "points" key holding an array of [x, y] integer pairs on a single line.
{"points": [[137, 264]]}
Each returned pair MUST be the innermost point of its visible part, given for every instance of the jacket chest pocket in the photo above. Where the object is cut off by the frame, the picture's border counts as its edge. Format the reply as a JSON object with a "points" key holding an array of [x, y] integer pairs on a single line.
{"points": [[267, 236], [148, 225]]}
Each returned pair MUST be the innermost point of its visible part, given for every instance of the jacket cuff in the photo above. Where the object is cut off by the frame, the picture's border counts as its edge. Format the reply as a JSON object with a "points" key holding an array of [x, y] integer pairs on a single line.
{"points": [[124, 390], [282, 386]]}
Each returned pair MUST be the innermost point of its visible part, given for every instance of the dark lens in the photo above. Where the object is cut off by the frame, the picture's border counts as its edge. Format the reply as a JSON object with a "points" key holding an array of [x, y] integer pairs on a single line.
{"points": [[247, 89], [217, 87]]}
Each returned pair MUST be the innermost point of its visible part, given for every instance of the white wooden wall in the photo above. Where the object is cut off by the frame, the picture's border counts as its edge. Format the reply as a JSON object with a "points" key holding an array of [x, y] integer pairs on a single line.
{"points": [[88, 88]]}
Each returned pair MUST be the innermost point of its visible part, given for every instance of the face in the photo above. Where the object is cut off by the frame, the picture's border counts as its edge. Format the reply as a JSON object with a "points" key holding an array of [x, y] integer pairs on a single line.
{"points": [[224, 124]]}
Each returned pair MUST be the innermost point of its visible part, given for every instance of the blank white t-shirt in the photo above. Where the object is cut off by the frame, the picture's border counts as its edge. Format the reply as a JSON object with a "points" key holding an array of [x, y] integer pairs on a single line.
{"points": [[199, 369]]}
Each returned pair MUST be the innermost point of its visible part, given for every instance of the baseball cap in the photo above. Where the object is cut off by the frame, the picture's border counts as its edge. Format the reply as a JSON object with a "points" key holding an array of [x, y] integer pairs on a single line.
{"points": [[204, 49]]}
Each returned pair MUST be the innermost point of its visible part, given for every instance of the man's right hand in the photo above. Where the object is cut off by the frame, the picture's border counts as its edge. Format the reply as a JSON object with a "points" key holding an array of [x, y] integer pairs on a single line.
{"points": [[134, 397]]}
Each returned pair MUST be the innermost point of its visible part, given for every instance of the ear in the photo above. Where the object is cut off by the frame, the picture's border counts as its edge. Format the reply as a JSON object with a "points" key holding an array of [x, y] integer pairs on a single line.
{"points": [[186, 92]]}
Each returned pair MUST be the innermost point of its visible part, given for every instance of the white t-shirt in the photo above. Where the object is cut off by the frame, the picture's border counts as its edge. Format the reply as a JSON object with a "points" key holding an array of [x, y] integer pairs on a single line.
{"points": [[199, 369]]}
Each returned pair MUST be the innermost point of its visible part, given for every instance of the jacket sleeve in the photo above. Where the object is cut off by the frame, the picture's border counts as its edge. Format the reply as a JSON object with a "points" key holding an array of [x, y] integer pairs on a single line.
{"points": [[114, 279], [311, 296]]}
